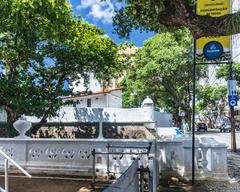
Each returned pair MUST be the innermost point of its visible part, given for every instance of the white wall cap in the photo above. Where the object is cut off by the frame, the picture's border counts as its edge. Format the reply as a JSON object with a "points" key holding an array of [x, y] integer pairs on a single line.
{"points": [[147, 101]]}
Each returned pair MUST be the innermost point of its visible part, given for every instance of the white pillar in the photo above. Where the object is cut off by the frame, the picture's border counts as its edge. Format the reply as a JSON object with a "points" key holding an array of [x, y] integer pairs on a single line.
{"points": [[187, 146], [148, 107], [100, 134]]}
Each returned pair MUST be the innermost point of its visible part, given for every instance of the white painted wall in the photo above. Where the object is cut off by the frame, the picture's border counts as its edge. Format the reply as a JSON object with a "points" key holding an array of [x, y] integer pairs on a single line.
{"points": [[3, 116], [118, 115], [114, 99], [96, 101], [111, 99], [163, 119], [74, 114]]}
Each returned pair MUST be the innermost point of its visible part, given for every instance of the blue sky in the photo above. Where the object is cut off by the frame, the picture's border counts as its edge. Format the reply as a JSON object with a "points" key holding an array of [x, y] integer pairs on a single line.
{"points": [[100, 14]]}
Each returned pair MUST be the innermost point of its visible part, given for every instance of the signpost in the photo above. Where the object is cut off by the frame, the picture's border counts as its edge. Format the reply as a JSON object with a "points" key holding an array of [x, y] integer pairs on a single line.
{"points": [[232, 102], [232, 84], [182, 114], [232, 93], [212, 50]]}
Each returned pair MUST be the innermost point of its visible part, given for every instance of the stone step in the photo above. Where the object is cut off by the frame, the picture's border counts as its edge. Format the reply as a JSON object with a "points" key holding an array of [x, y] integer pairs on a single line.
{"points": [[47, 184]]}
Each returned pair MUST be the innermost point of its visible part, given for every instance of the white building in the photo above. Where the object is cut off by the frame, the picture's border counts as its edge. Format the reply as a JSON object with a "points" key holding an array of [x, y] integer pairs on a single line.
{"points": [[97, 85], [94, 85], [109, 98]]}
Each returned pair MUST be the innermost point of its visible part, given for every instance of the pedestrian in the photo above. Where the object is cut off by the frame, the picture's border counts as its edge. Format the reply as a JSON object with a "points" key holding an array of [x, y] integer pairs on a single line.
{"points": [[185, 127]]}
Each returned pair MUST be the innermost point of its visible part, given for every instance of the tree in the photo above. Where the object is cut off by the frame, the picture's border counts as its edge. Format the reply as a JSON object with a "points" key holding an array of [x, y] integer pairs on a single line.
{"points": [[211, 102], [43, 46], [162, 70], [157, 15], [223, 72]]}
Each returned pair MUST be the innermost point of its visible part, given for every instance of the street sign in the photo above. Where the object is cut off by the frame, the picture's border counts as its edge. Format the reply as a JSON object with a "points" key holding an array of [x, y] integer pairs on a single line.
{"points": [[232, 100], [182, 114], [213, 50], [232, 87]]}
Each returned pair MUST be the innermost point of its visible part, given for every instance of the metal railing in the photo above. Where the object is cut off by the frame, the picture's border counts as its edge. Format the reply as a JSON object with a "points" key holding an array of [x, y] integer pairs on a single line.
{"points": [[8, 159]]}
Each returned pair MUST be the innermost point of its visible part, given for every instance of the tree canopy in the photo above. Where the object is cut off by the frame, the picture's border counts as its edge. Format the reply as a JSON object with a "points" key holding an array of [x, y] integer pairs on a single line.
{"points": [[162, 69], [211, 101], [157, 15], [43, 46], [223, 72]]}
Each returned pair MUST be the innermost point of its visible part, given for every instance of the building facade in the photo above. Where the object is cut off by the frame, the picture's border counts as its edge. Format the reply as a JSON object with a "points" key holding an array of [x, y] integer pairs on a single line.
{"points": [[108, 98]]}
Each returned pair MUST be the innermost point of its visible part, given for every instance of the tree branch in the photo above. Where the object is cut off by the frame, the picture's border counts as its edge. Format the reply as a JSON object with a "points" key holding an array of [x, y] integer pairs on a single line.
{"points": [[178, 14]]}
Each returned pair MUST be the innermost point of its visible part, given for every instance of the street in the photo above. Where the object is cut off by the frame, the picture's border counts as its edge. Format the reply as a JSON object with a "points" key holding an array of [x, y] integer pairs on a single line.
{"points": [[221, 137]]}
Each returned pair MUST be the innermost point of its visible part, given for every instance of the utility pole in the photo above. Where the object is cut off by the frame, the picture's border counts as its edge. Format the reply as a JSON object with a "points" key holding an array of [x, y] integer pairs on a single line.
{"points": [[193, 111], [233, 133]]}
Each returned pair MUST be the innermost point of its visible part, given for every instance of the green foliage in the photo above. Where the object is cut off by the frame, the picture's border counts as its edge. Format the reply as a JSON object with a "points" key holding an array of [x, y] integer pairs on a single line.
{"points": [[43, 46], [209, 97], [162, 69], [211, 102], [138, 14], [162, 15], [143, 15], [223, 72]]}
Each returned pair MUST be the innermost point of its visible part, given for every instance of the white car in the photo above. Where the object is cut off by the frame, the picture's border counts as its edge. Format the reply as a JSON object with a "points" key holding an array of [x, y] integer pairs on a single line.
{"points": [[225, 127]]}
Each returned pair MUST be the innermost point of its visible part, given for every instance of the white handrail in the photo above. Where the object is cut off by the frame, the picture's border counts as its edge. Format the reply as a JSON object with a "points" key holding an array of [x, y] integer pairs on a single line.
{"points": [[15, 163]]}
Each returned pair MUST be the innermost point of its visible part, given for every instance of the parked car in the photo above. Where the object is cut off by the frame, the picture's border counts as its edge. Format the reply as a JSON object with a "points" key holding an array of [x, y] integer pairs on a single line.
{"points": [[201, 126], [225, 127], [223, 124]]}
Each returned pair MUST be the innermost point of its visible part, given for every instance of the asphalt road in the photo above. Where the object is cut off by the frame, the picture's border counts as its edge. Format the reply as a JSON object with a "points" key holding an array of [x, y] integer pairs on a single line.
{"points": [[221, 137]]}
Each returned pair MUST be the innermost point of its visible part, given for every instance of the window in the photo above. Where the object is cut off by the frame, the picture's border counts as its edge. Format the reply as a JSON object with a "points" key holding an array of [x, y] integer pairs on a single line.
{"points": [[88, 102]]}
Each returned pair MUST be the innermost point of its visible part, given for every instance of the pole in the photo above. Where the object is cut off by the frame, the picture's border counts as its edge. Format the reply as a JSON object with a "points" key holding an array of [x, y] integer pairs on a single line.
{"points": [[233, 133], [108, 161], [93, 170], [193, 112], [6, 176], [155, 167]]}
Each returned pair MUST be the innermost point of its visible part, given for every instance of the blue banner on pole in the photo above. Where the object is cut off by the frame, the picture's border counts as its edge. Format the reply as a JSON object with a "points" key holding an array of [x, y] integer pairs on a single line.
{"points": [[232, 100]]}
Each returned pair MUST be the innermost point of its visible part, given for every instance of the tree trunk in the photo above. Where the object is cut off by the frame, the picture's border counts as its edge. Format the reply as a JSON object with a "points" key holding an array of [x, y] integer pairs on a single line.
{"points": [[177, 13], [36, 127]]}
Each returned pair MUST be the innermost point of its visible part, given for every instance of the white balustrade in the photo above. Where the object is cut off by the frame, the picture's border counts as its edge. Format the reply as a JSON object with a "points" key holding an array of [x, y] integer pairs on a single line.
{"points": [[67, 156], [214, 160], [73, 156]]}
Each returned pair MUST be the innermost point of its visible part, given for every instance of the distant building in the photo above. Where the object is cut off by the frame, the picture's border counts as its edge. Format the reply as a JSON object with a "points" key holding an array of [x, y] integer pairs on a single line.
{"points": [[97, 85]]}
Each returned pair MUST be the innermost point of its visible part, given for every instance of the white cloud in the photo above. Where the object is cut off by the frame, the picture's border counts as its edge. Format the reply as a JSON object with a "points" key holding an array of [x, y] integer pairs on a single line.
{"points": [[101, 11]]}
